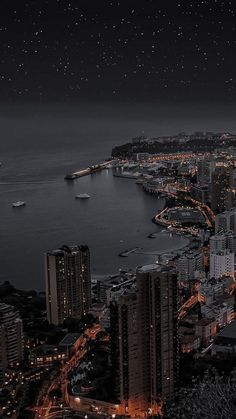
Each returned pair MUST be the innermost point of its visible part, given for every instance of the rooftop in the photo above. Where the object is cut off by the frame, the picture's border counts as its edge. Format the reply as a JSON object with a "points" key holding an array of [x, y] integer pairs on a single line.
{"points": [[46, 350], [186, 215], [205, 322], [189, 338], [70, 339], [228, 331], [152, 267], [68, 250]]}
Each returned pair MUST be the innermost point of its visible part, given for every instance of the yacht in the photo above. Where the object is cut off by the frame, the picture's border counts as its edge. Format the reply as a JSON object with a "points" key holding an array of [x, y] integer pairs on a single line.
{"points": [[82, 196], [18, 204]]}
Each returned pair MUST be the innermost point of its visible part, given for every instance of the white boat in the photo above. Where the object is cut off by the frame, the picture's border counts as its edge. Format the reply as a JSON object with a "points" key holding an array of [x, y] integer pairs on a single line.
{"points": [[18, 204], [82, 196]]}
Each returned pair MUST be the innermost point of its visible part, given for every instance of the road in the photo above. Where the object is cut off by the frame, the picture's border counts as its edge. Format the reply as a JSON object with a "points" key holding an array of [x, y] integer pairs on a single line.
{"points": [[205, 210], [189, 304], [61, 380]]}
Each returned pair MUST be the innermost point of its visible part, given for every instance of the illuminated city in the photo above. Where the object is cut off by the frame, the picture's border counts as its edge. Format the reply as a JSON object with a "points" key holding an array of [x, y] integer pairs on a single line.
{"points": [[118, 209]]}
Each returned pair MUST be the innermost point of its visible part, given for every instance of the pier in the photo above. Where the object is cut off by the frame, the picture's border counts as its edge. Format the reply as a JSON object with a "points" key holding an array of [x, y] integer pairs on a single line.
{"points": [[128, 252], [88, 171]]}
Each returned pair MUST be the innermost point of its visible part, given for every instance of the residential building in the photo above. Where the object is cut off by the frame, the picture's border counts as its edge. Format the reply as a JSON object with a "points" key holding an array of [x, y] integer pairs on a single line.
{"points": [[223, 241], [187, 265], [206, 330], [221, 264], [189, 343], [200, 193], [218, 242], [204, 171], [224, 345], [124, 352], [222, 310], [212, 288], [157, 298], [47, 355], [68, 283], [11, 337], [226, 221], [220, 183], [144, 341]]}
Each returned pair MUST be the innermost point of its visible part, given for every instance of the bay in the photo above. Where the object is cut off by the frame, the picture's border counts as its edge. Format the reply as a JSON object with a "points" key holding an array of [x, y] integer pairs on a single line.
{"points": [[38, 146]]}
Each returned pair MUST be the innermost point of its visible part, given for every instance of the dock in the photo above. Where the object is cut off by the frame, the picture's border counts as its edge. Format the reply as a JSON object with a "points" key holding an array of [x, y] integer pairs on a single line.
{"points": [[88, 171], [128, 252]]}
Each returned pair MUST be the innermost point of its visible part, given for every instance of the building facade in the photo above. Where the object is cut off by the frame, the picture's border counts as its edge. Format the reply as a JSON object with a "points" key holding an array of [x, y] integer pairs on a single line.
{"points": [[68, 283], [144, 341], [221, 182], [221, 264], [226, 221], [223, 241], [11, 337], [187, 265], [200, 193], [204, 171]]}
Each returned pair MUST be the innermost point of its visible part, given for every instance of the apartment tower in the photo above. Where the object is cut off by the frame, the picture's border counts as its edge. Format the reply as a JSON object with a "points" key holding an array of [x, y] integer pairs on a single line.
{"points": [[68, 283], [11, 338], [144, 342]]}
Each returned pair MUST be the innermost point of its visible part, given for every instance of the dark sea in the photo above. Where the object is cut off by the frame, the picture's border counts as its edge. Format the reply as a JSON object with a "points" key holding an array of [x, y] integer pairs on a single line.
{"points": [[40, 144]]}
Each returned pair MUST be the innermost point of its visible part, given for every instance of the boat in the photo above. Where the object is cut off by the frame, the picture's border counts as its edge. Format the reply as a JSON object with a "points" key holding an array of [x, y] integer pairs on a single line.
{"points": [[152, 235], [18, 204], [82, 196], [71, 176]]}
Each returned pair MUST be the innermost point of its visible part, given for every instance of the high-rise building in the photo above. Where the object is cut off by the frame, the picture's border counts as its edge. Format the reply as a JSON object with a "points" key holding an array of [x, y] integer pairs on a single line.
{"points": [[68, 283], [144, 341], [124, 352], [204, 171], [221, 264], [218, 242], [223, 241], [231, 241], [158, 332], [230, 199], [226, 221], [200, 193], [188, 264], [220, 184], [11, 337]]}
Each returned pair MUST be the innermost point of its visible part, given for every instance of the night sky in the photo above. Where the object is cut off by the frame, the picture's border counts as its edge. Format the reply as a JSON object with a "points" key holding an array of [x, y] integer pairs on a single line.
{"points": [[150, 50]]}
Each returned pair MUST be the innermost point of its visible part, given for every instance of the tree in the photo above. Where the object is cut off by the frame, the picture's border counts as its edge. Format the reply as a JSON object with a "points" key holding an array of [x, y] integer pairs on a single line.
{"points": [[214, 397], [56, 392]]}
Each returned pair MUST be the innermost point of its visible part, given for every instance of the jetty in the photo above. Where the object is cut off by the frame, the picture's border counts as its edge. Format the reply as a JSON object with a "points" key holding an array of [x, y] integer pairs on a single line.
{"points": [[128, 252], [88, 171]]}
